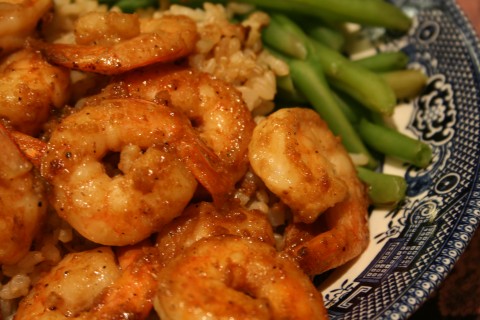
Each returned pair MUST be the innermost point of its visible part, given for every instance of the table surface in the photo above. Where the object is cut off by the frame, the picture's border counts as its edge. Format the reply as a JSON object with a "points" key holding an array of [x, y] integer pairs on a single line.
{"points": [[459, 296], [472, 10]]}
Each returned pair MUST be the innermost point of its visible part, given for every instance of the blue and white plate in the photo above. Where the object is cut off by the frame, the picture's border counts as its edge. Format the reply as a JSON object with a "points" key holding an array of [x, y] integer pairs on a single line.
{"points": [[414, 247]]}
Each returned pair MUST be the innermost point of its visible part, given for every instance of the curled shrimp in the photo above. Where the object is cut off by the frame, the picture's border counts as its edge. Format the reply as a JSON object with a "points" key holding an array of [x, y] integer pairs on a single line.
{"points": [[229, 277], [293, 155], [120, 169], [22, 201], [30, 88], [165, 39], [92, 285], [215, 109], [341, 233], [201, 220], [18, 20]]}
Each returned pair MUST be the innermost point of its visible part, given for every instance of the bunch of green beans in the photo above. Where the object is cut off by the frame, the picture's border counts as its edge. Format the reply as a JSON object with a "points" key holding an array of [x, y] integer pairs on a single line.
{"points": [[352, 96]]}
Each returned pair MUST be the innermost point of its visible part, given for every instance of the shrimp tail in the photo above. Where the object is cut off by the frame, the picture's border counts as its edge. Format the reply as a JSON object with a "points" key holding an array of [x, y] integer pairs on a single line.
{"points": [[32, 148], [208, 170]]}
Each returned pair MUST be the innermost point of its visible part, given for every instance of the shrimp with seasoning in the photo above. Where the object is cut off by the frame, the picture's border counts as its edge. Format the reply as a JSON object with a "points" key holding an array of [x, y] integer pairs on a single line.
{"points": [[230, 277], [202, 220], [18, 20], [341, 232], [127, 42], [119, 170], [291, 155], [92, 285], [30, 88], [215, 109], [22, 201]]}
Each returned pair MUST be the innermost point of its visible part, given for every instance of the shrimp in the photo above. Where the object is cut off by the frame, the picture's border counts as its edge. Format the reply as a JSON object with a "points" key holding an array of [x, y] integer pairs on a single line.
{"points": [[30, 88], [18, 20], [214, 108], [165, 39], [341, 233], [229, 277], [145, 182], [292, 154], [91, 285], [203, 219], [22, 201]]}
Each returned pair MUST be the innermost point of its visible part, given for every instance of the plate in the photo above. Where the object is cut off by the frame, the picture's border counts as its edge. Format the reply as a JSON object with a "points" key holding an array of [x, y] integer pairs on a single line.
{"points": [[414, 247]]}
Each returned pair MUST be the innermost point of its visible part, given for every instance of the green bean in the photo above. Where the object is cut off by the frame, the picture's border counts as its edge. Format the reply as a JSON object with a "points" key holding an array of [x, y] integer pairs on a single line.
{"points": [[286, 91], [380, 120], [362, 112], [333, 39], [406, 84], [130, 6], [362, 84], [309, 79], [353, 114], [383, 189], [395, 144], [285, 36], [384, 61], [366, 12]]}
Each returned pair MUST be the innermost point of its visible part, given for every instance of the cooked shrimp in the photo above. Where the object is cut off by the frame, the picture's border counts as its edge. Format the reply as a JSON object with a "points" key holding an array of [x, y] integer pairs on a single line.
{"points": [[164, 39], [145, 182], [203, 220], [91, 285], [229, 277], [341, 233], [215, 108], [22, 201], [18, 19], [30, 88], [296, 159]]}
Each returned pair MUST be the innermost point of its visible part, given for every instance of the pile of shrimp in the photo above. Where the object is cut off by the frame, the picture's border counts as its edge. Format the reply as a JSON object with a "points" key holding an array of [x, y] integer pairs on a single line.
{"points": [[149, 189]]}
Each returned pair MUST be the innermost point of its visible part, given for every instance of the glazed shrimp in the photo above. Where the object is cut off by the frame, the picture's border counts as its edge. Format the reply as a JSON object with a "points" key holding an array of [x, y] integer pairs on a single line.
{"points": [[315, 173], [229, 277], [293, 155], [30, 88], [22, 201], [165, 39], [203, 220], [215, 109], [148, 151], [341, 233], [91, 285], [18, 19]]}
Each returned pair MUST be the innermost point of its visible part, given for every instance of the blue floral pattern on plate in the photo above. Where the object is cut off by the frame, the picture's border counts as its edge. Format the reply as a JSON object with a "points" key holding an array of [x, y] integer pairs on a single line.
{"points": [[414, 247]]}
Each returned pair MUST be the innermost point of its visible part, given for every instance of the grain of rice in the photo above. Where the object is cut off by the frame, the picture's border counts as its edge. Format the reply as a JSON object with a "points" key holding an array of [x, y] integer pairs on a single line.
{"points": [[17, 287]]}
